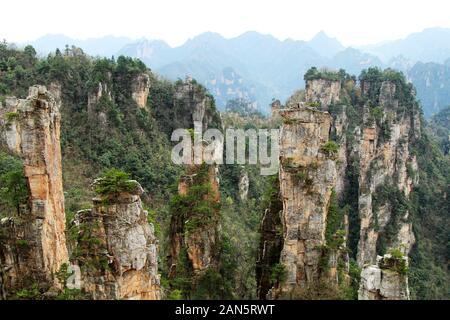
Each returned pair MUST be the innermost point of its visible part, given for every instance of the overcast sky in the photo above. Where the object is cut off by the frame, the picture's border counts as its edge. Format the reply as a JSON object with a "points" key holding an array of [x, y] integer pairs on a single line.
{"points": [[353, 22]]}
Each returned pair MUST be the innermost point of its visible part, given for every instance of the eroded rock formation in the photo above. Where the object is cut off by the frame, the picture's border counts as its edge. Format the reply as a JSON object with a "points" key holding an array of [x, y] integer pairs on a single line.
{"points": [[196, 232], [385, 280], [323, 91], [102, 95], [117, 248], [307, 178], [195, 105], [34, 244], [95, 97], [275, 108], [140, 89], [345, 148], [387, 168], [244, 184], [195, 220]]}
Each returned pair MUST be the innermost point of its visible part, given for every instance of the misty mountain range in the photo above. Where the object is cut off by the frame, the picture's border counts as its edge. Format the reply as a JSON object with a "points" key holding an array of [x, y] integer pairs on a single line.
{"points": [[257, 67]]}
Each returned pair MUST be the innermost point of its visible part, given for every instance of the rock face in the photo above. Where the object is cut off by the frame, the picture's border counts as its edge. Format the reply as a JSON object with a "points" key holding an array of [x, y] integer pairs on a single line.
{"points": [[323, 91], [194, 105], [196, 235], [117, 249], [244, 184], [94, 98], [383, 282], [346, 155], [307, 177], [271, 243], [101, 95], [386, 166], [338, 132], [34, 135], [275, 108], [140, 88], [195, 222]]}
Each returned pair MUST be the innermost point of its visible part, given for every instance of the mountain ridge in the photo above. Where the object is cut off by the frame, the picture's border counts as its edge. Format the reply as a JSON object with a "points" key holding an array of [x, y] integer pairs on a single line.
{"points": [[266, 67]]}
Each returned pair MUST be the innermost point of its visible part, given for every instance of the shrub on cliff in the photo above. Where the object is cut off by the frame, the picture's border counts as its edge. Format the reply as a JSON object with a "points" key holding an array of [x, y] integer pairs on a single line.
{"points": [[198, 207], [330, 148], [314, 73], [395, 260], [114, 181]]}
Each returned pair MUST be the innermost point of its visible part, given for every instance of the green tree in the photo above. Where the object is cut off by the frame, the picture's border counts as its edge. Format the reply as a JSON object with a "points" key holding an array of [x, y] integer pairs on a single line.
{"points": [[114, 181], [13, 184]]}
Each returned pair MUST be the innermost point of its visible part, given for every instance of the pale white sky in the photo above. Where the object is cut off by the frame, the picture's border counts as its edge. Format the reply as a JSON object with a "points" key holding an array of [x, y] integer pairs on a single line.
{"points": [[353, 22]]}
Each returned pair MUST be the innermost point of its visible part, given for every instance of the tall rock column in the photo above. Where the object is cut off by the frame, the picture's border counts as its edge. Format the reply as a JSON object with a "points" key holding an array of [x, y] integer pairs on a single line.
{"points": [[102, 92], [387, 174], [140, 88], [34, 135], [345, 176], [117, 248], [194, 104], [243, 185], [195, 211], [307, 178], [195, 228]]}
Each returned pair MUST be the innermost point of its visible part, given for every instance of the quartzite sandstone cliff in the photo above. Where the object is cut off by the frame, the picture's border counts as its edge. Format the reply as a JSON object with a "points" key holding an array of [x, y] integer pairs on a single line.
{"points": [[34, 135], [117, 249], [333, 133], [194, 232]]}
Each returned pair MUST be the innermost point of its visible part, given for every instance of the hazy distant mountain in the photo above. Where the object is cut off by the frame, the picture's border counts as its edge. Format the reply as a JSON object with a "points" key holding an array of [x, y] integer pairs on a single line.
{"points": [[353, 61], [262, 66], [258, 67], [432, 82], [325, 45], [156, 53], [430, 45], [105, 46], [440, 125], [400, 63]]}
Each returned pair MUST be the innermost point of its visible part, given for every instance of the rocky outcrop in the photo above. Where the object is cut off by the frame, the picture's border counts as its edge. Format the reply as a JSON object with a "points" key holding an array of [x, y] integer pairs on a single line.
{"points": [[275, 108], [339, 134], [387, 169], [307, 178], [94, 98], [34, 246], [194, 105], [386, 280], [101, 95], [101, 91], [195, 217], [140, 88], [244, 184], [353, 163], [323, 91], [195, 231], [117, 248]]}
